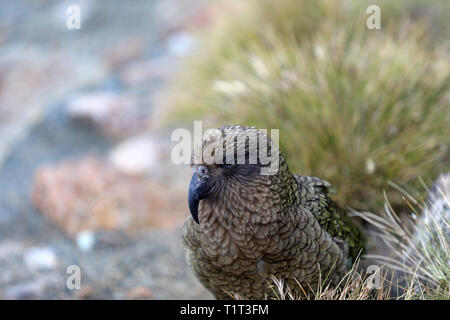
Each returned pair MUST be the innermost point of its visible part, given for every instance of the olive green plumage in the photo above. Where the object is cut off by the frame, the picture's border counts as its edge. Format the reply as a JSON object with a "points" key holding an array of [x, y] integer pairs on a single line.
{"points": [[253, 226], [314, 195]]}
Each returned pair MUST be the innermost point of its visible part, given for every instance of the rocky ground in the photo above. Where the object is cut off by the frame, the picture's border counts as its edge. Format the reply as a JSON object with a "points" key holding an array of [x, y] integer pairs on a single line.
{"points": [[72, 104]]}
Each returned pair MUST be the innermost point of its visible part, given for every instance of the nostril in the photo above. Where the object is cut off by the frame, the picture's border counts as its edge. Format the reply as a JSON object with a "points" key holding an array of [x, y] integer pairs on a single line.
{"points": [[202, 171]]}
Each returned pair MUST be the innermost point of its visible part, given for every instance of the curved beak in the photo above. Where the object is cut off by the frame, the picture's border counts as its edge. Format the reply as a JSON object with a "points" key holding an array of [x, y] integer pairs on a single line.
{"points": [[197, 191]]}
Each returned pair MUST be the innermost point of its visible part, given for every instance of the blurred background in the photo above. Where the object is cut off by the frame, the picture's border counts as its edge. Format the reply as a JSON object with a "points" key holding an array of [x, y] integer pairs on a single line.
{"points": [[84, 178], [86, 117]]}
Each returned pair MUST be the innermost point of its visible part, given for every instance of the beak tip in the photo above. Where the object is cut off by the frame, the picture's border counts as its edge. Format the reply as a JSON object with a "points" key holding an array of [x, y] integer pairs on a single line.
{"points": [[193, 199], [193, 208]]}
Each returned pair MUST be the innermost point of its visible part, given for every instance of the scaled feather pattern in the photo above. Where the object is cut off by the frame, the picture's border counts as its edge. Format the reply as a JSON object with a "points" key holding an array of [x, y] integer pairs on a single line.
{"points": [[253, 227]]}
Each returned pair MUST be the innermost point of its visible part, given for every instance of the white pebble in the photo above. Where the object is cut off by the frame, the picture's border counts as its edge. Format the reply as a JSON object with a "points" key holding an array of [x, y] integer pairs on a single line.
{"points": [[40, 258], [85, 240]]}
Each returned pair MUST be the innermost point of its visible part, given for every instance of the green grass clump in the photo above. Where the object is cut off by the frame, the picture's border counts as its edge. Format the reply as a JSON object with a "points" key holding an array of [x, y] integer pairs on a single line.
{"points": [[354, 106]]}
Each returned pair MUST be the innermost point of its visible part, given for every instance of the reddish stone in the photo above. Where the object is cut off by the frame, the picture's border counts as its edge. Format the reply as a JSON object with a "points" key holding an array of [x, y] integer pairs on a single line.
{"points": [[89, 194], [139, 292]]}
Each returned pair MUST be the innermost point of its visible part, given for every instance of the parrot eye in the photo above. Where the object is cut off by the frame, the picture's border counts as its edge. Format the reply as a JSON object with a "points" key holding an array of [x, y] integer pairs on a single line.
{"points": [[202, 171]]}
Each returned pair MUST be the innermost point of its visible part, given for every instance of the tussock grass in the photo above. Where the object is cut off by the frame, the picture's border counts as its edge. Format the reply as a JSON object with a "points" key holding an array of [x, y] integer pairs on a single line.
{"points": [[353, 286], [419, 244], [357, 107]]}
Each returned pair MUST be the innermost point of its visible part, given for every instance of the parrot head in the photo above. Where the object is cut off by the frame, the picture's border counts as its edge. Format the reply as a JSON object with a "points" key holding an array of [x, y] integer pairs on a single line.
{"points": [[227, 160]]}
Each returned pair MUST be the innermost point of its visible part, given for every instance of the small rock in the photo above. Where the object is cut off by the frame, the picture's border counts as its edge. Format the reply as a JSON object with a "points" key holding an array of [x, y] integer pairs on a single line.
{"points": [[139, 292], [116, 115], [139, 72], [137, 155], [90, 194], [84, 293], [85, 240], [180, 43], [40, 258]]}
